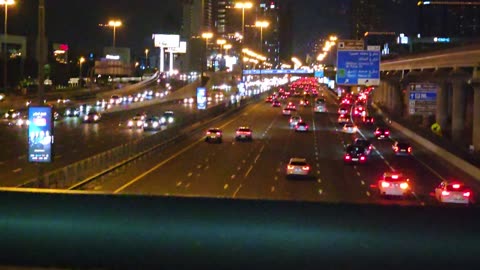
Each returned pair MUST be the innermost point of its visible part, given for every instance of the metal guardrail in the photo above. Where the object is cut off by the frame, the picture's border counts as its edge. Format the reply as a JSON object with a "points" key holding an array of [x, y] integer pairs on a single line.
{"points": [[79, 173]]}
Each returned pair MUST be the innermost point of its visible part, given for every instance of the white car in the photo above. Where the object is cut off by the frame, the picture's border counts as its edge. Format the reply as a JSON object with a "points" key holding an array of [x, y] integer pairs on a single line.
{"points": [[135, 122], [294, 120], [394, 184], [350, 128], [298, 167], [115, 100], [287, 111], [453, 192]]}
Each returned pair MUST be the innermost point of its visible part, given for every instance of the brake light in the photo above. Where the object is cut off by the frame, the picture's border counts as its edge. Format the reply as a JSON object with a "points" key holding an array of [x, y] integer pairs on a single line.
{"points": [[208, 132], [377, 132], [306, 168], [456, 186], [347, 157], [290, 167], [409, 149], [445, 193], [219, 133], [387, 132], [466, 194], [396, 149], [404, 185], [362, 158], [385, 184], [394, 176]]}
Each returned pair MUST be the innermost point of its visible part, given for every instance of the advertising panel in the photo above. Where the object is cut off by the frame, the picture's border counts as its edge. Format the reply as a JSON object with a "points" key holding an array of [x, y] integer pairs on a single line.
{"points": [[181, 49], [166, 41], [201, 98], [40, 134]]}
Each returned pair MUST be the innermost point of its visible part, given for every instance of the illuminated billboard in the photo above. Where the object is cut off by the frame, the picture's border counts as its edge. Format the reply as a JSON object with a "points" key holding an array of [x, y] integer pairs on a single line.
{"points": [[40, 134], [181, 49], [201, 98], [166, 41]]}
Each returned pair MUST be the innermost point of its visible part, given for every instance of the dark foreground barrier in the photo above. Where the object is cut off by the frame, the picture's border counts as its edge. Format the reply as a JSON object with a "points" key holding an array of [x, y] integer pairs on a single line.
{"points": [[71, 229]]}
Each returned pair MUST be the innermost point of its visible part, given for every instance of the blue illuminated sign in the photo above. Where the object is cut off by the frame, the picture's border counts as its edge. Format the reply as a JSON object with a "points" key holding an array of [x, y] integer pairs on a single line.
{"points": [[275, 71], [358, 67], [201, 98], [319, 74], [40, 134]]}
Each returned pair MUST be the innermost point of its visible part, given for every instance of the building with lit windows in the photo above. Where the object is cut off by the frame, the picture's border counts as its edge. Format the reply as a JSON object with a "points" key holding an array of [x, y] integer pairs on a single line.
{"points": [[16, 46], [60, 53]]}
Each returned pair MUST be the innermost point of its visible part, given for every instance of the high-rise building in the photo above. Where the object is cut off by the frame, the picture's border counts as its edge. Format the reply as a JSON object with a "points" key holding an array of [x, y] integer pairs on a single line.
{"points": [[198, 17], [366, 16], [452, 19]]}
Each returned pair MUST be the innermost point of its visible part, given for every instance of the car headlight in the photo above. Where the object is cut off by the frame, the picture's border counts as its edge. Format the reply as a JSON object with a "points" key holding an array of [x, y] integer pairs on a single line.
{"points": [[20, 122], [130, 123], [155, 124], [67, 112], [145, 124], [139, 123], [170, 120], [95, 117], [162, 120], [85, 118]]}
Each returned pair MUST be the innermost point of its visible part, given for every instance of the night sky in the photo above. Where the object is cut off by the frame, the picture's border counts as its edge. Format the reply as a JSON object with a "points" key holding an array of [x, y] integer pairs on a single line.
{"points": [[76, 22]]}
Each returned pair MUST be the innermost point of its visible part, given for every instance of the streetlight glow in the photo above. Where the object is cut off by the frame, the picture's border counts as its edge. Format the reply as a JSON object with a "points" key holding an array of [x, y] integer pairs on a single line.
{"points": [[114, 24], [243, 5], [207, 35], [221, 42], [261, 25]]}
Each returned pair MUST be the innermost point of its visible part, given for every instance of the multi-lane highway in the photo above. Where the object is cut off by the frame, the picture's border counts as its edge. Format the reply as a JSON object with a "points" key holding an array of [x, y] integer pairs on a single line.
{"points": [[256, 169]]}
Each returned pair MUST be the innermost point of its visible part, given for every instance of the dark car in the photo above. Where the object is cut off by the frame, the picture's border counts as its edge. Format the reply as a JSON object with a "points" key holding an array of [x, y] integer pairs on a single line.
{"points": [[72, 112], [368, 120], [152, 123], [213, 135], [366, 144], [355, 154], [402, 148], [382, 133], [92, 117]]}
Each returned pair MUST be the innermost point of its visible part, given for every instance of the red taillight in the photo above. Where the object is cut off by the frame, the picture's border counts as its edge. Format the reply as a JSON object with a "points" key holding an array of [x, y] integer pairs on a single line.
{"points": [[396, 149], [306, 168], [219, 133], [347, 157], [409, 149], [466, 194], [208, 132], [377, 132], [456, 186], [404, 185], [385, 184], [362, 158], [445, 193], [290, 167], [394, 176], [387, 132]]}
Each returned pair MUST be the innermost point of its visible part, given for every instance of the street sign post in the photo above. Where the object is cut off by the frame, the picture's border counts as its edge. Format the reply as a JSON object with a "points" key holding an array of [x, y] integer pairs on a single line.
{"points": [[422, 98], [351, 45], [358, 68]]}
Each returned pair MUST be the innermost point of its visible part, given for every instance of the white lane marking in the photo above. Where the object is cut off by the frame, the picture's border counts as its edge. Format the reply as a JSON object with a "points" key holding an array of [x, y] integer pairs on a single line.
{"points": [[187, 185], [358, 173], [179, 183], [363, 183], [1, 162], [261, 149], [190, 174], [236, 191], [272, 189], [316, 158], [206, 160], [136, 179], [318, 164], [199, 166], [275, 178], [206, 167], [225, 186], [319, 180], [320, 191], [233, 176], [239, 168], [249, 170], [17, 170], [318, 172], [429, 168], [244, 161], [22, 157], [256, 158], [378, 152], [198, 175], [368, 193]]}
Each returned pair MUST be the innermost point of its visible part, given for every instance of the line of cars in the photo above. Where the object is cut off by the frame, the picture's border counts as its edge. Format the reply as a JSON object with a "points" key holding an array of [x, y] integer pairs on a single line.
{"points": [[148, 122]]}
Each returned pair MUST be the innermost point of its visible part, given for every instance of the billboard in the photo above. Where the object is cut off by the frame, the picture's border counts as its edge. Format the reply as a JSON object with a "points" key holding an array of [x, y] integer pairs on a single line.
{"points": [[40, 134], [181, 49], [166, 41], [358, 68], [201, 98]]}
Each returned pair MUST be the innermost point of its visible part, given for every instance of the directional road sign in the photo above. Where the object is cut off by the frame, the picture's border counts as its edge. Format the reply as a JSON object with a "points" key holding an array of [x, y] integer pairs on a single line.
{"points": [[358, 68]]}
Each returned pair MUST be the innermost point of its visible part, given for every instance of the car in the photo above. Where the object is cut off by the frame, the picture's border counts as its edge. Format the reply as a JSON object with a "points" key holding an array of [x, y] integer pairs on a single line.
{"points": [[243, 133], [287, 111], [349, 128], [167, 117], [343, 110], [382, 133], [128, 99], [135, 122], [368, 120], [12, 114], [151, 123], [453, 192], [72, 112], [2, 97], [355, 154], [401, 148], [56, 116], [304, 102], [21, 121], [301, 126], [142, 115], [343, 119], [115, 100], [269, 99], [276, 103], [214, 135], [394, 184], [101, 103], [366, 144], [320, 101], [92, 117], [84, 108], [298, 167], [294, 120]]}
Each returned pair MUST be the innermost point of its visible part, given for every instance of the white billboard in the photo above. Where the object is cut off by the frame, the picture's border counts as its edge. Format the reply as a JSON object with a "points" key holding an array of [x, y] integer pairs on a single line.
{"points": [[181, 49], [166, 41]]}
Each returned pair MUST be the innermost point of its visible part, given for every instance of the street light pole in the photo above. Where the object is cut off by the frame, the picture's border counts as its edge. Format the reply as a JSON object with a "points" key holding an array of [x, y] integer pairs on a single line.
{"points": [[114, 24], [206, 36], [146, 58], [6, 3], [261, 24], [81, 60]]}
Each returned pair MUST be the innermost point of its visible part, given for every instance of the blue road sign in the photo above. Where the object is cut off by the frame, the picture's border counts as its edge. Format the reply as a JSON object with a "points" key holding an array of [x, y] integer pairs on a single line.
{"points": [[358, 67], [429, 96], [201, 98], [319, 74]]}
